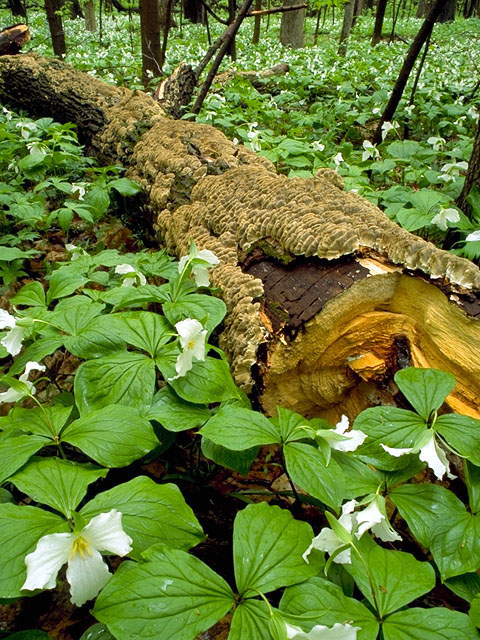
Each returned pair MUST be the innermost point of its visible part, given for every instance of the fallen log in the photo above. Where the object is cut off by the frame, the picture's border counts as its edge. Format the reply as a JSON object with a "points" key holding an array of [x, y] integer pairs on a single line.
{"points": [[326, 296], [13, 38]]}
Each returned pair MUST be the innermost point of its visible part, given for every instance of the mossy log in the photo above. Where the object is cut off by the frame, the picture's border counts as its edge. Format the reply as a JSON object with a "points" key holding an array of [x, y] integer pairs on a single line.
{"points": [[326, 296]]}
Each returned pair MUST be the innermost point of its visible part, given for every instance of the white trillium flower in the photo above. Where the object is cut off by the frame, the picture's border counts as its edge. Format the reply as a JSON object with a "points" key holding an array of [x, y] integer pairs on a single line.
{"points": [[444, 216], [192, 342], [340, 439], [338, 159], [14, 338], [79, 187], [473, 237], [388, 126], [317, 146], [199, 271], [328, 541], [12, 395], [133, 276], [320, 632], [370, 151], [429, 452], [75, 252], [436, 142], [374, 517], [87, 573]]}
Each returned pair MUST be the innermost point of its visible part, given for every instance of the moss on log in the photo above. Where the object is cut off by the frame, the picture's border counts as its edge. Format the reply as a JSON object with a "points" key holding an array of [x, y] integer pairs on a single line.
{"points": [[326, 296]]}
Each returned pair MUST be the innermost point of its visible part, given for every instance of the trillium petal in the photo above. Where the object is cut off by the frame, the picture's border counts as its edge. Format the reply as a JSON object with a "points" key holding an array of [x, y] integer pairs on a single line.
{"points": [[435, 457], [13, 340], [208, 256], [393, 451], [183, 364], [86, 576], [105, 533], [6, 320], [122, 269], [31, 366], [10, 396], [328, 542], [337, 632], [201, 276], [43, 564], [182, 262], [385, 531], [188, 330], [473, 237], [354, 438], [368, 517]]}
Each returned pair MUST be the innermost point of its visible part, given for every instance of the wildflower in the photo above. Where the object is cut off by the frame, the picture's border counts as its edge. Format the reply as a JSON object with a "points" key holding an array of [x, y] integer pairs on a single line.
{"points": [[87, 573], [473, 237], [79, 187], [375, 518], [388, 126], [436, 142], [8, 114], [192, 342], [132, 276], [201, 262], [12, 395], [254, 137], [338, 159], [317, 146], [428, 451], [26, 128], [444, 216], [327, 540], [320, 632], [341, 439], [370, 151], [451, 171], [75, 252], [14, 338]]}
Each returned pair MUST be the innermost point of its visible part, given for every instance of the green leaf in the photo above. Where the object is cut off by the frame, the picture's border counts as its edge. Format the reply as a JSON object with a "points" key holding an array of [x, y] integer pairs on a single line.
{"points": [[208, 381], [318, 601], [97, 632], [472, 480], [99, 200], [440, 522], [267, 548], [425, 389], [30, 634], [412, 219], [142, 329], [429, 624], [238, 429], [239, 461], [174, 596], [307, 468], [403, 149], [121, 378], [114, 436], [288, 424], [360, 479], [31, 295], [15, 451], [60, 484], [397, 577], [251, 619], [474, 612], [151, 513], [125, 187], [72, 315], [175, 414], [466, 586], [63, 283], [14, 253], [20, 530], [46, 421], [35, 352], [94, 340], [462, 433], [206, 309]]}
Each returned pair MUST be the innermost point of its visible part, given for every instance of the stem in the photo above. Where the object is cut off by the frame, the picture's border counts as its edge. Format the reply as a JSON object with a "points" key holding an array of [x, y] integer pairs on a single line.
{"points": [[294, 490], [370, 580]]}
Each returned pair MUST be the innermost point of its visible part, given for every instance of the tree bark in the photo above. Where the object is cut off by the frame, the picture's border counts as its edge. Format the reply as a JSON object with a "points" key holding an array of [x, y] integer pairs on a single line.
{"points": [[326, 296], [56, 27], [90, 21], [258, 23], [17, 8], [379, 17], [194, 11], [473, 175], [150, 28], [346, 26], [412, 55], [291, 27], [448, 12]]}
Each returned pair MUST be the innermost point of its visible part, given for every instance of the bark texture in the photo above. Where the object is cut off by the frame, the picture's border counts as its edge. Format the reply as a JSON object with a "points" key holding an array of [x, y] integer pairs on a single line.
{"points": [[291, 28], [472, 178], [326, 297]]}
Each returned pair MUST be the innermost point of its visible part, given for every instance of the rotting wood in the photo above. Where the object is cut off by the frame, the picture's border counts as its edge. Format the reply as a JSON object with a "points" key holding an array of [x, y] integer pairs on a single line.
{"points": [[326, 296], [13, 38]]}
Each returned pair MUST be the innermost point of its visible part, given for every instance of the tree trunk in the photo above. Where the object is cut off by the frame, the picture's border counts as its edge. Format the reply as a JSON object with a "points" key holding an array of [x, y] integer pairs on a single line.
{"points": [[56, 27], [291, 27], [326, 296], [194, 11], [412, 55], [258, 23], [448, 13], [380, 15], [17, 8], [473, 175], [90, 22], [346, 26], [150, 28]]}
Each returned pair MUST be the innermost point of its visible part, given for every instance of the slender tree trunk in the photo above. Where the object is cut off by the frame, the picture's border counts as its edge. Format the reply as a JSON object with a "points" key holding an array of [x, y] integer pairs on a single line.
{"points": [[412, 55], [258, 23], [377, 29], [17, 8], [150, 28], [166, 30], [346, 27], [56, 28], [194, 11], [232, 9], [473, 175], [421, 8], [448, 13], [291, 28], [90, 21]]}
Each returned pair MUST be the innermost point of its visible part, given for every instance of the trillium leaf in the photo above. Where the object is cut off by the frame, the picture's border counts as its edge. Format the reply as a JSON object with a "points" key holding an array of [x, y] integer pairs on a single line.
{"points": [[267, 547], [251, 620], [174, 413], [238, 429], [440, 522], [425, 389], [142, 329], [31, 295], [120, 378], [174, 596], [35, 352], [20, 530], [151, 514], [94, 340], [97, 632], [436, 623], [393, 427], [462, 433], [15, 451], [288, 425], [63, 283], [72, 315], [240, 461], [307, 468], [47, 421], [60, 484], [319, 601], [466, 586], [206, 309], [474, 612], [397, 577], [360, 479], [208, 381], [113, 436], [472, 480]]}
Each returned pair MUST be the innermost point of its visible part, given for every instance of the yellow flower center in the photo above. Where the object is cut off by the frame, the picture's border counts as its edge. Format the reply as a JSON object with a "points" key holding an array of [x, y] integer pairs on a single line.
{"points": [[80, 546], [190, 345]]}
